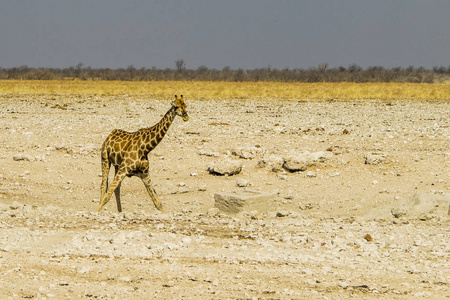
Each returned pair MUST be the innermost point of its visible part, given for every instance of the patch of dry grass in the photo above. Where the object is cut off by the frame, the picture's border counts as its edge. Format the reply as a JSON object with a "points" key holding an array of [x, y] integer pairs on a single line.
{"points": [[232, 90]]}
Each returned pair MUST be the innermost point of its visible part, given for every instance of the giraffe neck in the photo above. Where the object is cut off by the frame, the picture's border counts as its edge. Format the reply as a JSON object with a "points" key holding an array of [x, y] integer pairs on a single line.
{"points": [[161, 128]]}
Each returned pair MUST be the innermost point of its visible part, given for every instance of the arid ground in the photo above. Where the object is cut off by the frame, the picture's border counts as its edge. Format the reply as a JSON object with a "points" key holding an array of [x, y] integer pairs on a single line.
{"points": [[341, 228]]}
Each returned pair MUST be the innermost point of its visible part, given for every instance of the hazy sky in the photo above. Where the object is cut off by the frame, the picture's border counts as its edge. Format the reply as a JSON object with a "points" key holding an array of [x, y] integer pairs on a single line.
{"points": [[241, 34]]}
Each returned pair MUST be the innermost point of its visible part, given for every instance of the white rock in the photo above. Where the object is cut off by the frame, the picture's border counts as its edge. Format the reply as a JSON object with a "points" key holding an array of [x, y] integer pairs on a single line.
{"points": [[225, 167], [234, 202], [282, 213], [273, 162], [208, 153], [125, 279], [186, 241], [22, 156], [213, 211], [240, 182], [311, 174], [374, 158], [321, 156], [299, 162], [182, 190], [16, 205]]}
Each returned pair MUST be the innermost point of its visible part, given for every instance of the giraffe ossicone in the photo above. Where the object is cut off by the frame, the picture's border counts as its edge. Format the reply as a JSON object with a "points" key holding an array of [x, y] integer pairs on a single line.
{"points": [[127, 152]]}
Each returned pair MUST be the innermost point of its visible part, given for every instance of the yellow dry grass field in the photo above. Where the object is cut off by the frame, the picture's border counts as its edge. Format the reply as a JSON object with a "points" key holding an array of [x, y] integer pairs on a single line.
{"points": [[233, 90]]}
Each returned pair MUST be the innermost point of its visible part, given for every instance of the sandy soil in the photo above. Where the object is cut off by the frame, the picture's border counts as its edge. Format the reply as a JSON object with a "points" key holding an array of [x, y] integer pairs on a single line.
{"points": [[339, 229]]}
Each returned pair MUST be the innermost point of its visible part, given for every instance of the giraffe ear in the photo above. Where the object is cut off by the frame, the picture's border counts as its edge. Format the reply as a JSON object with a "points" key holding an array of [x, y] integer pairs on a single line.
{"points": [[182, 101], [178, 101], [175, 101]]}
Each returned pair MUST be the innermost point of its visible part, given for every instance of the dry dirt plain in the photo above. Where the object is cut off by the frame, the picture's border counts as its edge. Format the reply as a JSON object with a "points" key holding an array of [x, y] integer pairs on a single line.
{"points": [[338, 230]]}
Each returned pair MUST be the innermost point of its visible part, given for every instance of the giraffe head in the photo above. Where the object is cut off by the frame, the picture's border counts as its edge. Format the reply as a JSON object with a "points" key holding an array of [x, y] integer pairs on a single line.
{"points": [[180, 106]]}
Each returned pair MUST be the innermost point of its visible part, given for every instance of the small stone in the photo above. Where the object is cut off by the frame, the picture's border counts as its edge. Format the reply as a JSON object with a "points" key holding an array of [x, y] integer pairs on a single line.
{"points": [[21, 156], [202, 188], [208, 153], [425, 217], [282, 214], [16, 205], [282, 176], [311, 174], [398, 212], [306, 206], [126, 279], [242, 182], [128, 216], [368, 237], [213, 211], [182, 190], [254, 214], [374, 158], [186, 240]]}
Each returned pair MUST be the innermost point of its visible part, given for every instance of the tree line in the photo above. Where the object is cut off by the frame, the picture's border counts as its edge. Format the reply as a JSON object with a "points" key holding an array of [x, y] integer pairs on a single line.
{"points": [[320, 73]]}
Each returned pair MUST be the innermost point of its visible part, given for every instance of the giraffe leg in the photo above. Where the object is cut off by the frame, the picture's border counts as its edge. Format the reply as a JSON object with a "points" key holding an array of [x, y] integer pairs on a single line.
{"points": [[105, 172], [117, 180], [151, 191], [117, 193]]}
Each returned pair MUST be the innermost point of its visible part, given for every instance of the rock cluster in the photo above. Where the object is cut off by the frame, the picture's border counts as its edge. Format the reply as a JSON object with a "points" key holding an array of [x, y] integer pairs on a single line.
{"points": [[294, 162]]}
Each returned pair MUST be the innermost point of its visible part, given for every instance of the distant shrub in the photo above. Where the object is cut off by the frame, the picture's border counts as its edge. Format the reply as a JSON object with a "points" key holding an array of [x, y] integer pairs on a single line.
{"points": [[321, 73]]}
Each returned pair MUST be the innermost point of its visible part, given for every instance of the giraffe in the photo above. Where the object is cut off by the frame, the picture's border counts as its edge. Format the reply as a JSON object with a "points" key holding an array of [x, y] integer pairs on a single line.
{"points": [[127, 152]]}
